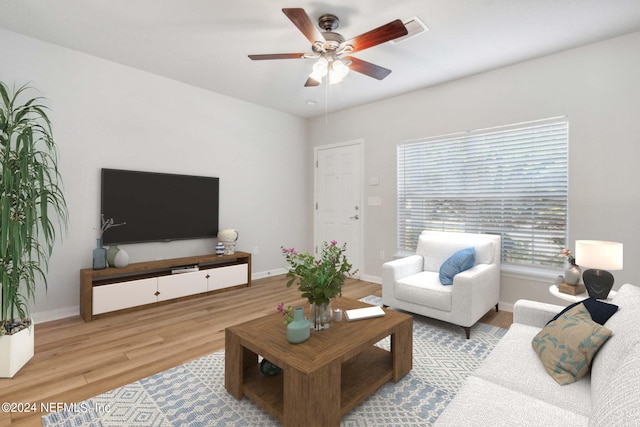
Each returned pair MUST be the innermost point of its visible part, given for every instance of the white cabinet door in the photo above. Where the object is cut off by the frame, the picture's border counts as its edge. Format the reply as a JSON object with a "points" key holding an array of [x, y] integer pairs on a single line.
{"points": [[117, 296], [181, 285], [224, 277]]}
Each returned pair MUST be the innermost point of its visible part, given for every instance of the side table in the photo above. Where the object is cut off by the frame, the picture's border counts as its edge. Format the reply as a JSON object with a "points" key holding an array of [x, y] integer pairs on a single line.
{"points": [[553, 290]]}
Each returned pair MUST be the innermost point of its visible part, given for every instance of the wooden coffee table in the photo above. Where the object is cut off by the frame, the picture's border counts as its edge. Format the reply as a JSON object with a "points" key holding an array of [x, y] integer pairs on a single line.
{"points": [[324, 377]]}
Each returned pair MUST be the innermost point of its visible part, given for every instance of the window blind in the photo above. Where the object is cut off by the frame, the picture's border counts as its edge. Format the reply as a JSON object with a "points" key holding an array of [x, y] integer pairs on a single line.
{"points": [[511, 181]]}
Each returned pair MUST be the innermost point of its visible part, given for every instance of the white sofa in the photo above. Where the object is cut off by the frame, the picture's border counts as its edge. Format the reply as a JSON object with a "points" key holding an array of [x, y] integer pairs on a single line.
{"points": [[413, 284], [512, 388]]}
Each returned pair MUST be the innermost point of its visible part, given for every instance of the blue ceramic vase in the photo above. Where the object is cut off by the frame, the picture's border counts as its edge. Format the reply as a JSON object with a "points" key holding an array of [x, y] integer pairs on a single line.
{"points": [[99, 256], [299, 329]]}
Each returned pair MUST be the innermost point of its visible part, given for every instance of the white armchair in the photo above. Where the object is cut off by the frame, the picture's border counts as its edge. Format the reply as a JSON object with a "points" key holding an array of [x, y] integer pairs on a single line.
{"points": [[413, 283]]}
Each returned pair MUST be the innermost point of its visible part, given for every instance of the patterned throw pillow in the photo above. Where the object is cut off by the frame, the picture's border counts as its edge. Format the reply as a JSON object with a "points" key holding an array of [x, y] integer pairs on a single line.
{"points": [[567, 345], [460, 261]]}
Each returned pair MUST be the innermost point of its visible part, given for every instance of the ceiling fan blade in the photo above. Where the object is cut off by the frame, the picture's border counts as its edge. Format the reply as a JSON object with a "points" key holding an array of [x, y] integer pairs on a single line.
{"points": [[277, 56], [367, 68], [390, 31], [301, 20], [311, 82]]}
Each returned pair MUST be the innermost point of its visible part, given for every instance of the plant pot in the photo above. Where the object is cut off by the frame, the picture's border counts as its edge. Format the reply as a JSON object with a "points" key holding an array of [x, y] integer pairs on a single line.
{"points": [[15, 351]]}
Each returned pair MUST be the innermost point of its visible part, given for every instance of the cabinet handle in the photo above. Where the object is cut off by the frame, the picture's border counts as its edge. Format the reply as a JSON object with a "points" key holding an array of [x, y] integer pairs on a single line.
{"points": [[207, 276], [157, 293]]}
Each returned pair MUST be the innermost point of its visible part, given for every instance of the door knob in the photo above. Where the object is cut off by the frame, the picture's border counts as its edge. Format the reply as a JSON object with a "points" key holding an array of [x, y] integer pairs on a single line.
{"points": [[354, 217]]}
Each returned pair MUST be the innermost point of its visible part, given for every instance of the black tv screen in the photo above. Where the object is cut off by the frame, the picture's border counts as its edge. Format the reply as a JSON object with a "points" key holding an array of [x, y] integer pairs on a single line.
{"points": [[158, 206]]}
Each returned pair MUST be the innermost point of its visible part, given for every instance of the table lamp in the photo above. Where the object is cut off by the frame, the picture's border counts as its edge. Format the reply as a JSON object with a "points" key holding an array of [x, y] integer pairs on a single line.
{"points": [[599, 256]]}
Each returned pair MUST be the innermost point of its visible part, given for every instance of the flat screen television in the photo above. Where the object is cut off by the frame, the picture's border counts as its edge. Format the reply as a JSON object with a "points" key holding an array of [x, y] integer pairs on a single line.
{"points": [[158, 206]]}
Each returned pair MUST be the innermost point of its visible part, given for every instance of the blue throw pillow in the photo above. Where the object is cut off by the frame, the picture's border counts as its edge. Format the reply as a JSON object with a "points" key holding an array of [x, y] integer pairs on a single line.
{"points": [[458, 262]]}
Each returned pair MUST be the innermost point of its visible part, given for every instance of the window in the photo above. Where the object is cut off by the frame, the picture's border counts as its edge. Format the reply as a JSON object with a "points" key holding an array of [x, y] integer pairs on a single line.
{"points": [[510, 181]]}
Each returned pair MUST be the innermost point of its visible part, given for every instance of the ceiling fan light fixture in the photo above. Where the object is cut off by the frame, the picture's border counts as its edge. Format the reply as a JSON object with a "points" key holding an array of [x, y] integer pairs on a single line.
{"points": [[320, 69], [338, 70], [328, 46]]}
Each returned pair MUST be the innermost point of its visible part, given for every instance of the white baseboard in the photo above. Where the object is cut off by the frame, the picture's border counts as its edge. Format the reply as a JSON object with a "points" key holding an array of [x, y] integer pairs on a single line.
{"points": [[60, 313], [505, 306], [372, 279], [268, 273]]}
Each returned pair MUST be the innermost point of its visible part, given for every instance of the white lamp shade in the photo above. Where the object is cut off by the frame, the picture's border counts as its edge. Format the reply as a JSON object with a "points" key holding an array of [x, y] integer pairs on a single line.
{"points": [[320, 69], [599, 254]]}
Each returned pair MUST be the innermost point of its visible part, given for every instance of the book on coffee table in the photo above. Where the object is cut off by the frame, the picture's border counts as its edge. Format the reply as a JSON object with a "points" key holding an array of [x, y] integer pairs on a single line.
{"points": [[363, 313]]}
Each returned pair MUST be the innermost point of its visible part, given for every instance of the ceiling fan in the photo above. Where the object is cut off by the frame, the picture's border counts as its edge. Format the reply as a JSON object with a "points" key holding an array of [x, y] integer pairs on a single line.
{"points": [[330, 47]]}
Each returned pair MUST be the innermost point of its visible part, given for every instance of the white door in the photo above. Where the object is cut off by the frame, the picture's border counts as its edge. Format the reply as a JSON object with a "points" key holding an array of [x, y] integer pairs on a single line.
{"points": [[338, 189]]}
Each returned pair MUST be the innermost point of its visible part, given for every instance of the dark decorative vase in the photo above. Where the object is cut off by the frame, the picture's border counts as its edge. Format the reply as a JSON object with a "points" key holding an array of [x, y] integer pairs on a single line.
{"points": [[572, 275], [300, 328], [99, 256]]}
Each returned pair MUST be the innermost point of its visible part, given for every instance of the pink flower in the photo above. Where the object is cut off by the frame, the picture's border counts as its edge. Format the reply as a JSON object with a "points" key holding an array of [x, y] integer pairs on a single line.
{"points": [[281, 307], [333, 243]]}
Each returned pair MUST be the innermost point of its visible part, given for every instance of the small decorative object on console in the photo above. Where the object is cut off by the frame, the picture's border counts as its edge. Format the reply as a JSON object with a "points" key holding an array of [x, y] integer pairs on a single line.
{"points": [[121, 259], [220, 249], [100, 254], [228, 237], [111, 254]]}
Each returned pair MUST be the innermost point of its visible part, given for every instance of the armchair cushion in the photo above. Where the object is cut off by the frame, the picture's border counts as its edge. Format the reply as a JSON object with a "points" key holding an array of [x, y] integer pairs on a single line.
{"points": [[425, 289], [437, 247], [460, 261]]}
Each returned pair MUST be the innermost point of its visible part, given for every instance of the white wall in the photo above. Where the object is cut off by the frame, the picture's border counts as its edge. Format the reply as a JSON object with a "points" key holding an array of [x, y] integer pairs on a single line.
{"points": [[596, 86], [108, 115]]}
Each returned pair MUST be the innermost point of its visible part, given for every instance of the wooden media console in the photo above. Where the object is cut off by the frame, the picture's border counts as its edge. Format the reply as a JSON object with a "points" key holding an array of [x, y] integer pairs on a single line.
{"points": [[144, 284]]}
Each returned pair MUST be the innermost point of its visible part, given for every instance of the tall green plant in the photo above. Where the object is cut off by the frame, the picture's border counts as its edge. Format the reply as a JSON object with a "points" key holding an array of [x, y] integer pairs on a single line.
{"points": [[31, 201]]}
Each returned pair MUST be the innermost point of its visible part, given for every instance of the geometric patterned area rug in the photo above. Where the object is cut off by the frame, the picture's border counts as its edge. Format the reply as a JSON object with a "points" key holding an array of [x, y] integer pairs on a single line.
{"points": [[193, 394]]}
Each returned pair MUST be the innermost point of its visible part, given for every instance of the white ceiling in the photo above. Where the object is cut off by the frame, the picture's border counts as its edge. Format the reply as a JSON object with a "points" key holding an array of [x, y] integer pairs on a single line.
{"points": [[205, 43]]}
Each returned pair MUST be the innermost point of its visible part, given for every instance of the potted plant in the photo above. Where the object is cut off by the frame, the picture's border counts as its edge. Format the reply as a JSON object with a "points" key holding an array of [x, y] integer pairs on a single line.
{"points": [[31, 202], [319, 280]]}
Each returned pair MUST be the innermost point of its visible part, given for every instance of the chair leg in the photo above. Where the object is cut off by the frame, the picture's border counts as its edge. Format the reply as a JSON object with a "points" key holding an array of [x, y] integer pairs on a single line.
{"points": [[497, 307], [467, 331]]}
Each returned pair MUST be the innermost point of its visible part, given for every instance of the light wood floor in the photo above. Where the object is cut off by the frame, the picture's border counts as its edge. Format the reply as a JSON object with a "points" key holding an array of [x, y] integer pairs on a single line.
{"points": [[75, 360]]}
